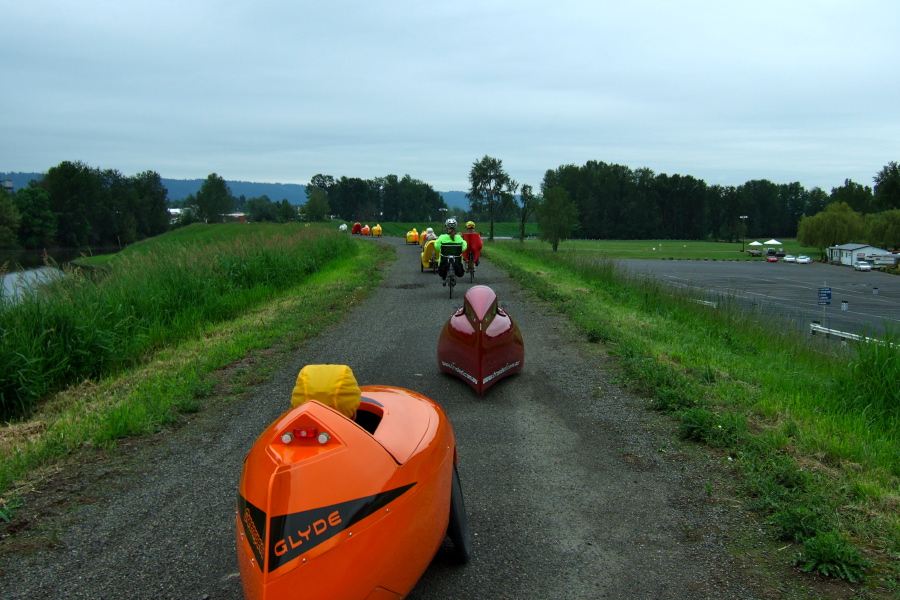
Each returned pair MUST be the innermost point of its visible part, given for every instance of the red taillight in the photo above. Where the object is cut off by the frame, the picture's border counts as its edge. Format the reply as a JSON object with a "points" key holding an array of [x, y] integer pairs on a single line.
{"points": [[306, 432]]}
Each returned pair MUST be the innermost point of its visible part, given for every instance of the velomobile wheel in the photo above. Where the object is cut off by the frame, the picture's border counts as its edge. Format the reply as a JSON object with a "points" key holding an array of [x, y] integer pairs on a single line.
{"points": [[421, 266], [458, 528]]}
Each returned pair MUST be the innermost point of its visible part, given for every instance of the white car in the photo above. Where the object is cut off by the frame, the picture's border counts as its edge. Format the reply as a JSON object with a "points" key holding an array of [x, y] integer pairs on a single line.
{"points": [[789, 258], [862, 265], [803, 260]]}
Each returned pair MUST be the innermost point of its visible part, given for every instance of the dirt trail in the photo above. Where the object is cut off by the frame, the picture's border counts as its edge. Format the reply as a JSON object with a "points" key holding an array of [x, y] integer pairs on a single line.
{"points": [[573, 488]]}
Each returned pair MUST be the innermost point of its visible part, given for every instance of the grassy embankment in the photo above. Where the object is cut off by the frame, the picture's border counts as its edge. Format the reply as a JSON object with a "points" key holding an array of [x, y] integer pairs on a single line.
{"points": [[815, 437], [131, 349]]}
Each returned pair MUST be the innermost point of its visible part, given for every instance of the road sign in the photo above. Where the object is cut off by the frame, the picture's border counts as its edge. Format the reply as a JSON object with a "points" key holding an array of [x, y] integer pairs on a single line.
{"points": [[826, 302], [824, 293]]}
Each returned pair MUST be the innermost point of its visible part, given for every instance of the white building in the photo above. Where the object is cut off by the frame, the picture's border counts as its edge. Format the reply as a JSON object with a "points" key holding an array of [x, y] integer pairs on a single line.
{"points": [[848, 254]]}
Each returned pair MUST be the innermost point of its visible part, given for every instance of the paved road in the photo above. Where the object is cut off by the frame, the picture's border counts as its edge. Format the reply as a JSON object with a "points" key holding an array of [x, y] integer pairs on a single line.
{"points": [[872, 298], [574, 489]]}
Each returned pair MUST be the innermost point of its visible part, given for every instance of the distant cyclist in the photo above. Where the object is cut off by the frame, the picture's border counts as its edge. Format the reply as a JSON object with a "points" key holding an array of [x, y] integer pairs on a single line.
{"points": [[451, 237], [473, 239]]}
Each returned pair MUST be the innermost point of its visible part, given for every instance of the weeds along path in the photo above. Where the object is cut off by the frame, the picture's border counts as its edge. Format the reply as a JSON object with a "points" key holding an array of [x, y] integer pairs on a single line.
{"points": [[573, 488]]}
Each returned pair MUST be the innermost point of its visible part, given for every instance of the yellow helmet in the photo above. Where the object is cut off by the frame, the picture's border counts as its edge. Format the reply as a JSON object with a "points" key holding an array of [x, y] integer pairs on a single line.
{"points": [[470, 225]]}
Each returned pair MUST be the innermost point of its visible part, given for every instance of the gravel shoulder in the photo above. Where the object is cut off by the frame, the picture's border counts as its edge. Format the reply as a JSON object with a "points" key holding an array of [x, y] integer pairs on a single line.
{"points": [[573, 488]]}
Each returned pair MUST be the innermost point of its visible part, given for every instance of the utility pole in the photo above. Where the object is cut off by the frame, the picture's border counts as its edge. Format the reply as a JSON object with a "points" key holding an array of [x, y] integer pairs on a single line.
{"points": [[743, 230]]}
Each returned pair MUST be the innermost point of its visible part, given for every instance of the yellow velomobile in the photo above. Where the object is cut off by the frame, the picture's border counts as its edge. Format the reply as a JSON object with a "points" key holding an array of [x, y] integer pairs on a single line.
{"points": [[429, 257], [412, 236], [376, 231]]}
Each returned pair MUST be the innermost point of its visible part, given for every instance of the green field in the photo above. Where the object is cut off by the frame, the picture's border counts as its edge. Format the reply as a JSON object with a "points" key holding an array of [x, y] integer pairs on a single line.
{"points": [[674, 249]]}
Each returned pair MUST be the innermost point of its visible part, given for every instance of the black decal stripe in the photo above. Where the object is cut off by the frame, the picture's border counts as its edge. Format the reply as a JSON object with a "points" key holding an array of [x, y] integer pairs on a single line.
{"points": [[377, 502], [295, 534], [258, 521]]}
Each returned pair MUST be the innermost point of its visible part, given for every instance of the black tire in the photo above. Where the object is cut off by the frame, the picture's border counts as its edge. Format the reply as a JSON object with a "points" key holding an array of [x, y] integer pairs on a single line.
{"points": [[451, 281], [421, 266], [458, 527]]}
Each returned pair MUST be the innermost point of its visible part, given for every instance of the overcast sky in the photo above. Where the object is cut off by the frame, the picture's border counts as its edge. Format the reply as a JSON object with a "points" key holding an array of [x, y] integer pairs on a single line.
{"points": [[277, 91]]}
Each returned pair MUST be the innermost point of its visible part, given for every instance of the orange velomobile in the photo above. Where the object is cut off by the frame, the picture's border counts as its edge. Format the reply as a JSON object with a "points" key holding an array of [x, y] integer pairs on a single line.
{"points": [[333, 507], [480, 343]]}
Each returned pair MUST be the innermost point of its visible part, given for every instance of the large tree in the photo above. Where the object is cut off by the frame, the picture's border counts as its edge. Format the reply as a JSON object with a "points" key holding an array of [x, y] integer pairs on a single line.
{"points": [[529, 202], [214, 200], [262, 209], [316, 207], [490, 188], [150, 204], [287, 212], [9, 220], [557, 216], [884, 229], [38, 226], [855, 195], [887, 187], [837, 224]]}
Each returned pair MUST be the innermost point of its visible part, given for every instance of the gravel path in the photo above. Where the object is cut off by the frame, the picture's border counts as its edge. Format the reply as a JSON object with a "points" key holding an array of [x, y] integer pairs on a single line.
{"points": [[573, 488]]}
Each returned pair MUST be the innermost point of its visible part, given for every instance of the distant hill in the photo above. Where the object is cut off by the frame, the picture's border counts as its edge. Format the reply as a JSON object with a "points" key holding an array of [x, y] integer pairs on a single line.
{"points": [[20, 180], [179, 189], [455, 199]]}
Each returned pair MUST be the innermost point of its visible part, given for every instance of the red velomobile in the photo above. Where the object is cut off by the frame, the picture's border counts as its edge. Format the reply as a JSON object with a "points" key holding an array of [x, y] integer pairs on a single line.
{"points": [[333, 507], [480, 343], [357, 228]]}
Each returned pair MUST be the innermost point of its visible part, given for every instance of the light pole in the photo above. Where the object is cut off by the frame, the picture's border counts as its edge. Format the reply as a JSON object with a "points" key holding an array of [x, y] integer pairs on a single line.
{"points": [[443, 212], [743, 230]]}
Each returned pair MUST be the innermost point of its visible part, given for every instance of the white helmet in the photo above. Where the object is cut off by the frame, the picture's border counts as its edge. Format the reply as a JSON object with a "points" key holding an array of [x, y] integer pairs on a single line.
{"points": [[429, 230], [450, 224]]}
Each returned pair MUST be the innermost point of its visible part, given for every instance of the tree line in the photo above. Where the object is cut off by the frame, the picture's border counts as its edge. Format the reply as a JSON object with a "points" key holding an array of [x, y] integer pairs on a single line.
{"points": [[607, 201], [383, 199], [75, 205]]}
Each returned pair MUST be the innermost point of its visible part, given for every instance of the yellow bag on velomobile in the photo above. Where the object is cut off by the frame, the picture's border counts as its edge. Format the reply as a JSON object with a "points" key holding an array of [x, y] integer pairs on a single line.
{"points": [[332, 385]]}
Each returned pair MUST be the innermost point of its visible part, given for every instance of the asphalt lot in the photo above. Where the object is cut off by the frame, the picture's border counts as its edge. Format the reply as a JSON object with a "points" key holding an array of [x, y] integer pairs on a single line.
{"points": [[862, 302]]}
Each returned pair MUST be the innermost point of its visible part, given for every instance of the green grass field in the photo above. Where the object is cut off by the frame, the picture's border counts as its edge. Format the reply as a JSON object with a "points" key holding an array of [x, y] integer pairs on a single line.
{"points": [[673, 249]]}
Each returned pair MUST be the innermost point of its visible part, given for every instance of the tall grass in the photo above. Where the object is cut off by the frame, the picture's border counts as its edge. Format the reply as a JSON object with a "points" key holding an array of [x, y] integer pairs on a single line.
{"points": [[815, 433], [93, 323]]}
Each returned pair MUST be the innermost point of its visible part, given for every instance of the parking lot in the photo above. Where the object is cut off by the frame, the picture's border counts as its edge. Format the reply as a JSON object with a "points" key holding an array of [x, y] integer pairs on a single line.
{"points": [[861, 302]]}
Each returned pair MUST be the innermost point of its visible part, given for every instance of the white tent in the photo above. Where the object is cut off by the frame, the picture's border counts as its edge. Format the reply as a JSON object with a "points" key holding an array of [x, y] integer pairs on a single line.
{"points": [[757, 243], [773, 242]]}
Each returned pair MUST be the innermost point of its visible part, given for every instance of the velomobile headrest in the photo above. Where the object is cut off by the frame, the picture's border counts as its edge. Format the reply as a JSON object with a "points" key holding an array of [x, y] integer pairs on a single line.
{"points": [[332, 385]]}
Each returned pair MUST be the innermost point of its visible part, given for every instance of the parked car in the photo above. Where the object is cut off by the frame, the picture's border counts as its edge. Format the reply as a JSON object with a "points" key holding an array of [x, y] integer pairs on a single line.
{"points": [[789, 258], [772, 258], [803, 260], [862, 265]]}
